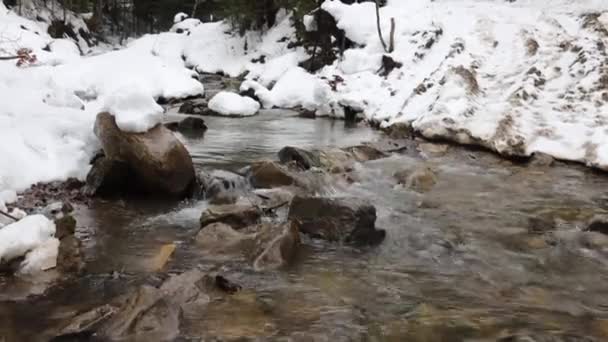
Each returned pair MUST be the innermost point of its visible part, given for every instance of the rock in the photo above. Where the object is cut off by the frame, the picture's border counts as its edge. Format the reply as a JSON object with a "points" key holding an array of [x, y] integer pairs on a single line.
{"points": [[162, 258], [336, 219], [219, 183], [422, 179], [226, 285], [70, 258], [281, 250], [363, 153], [430, 149], [160, 163], [193, 107], [220, 239], [149, 314], [268, 174], [541, 160], [400, 130], [146, 315], [65, 226], [304, 159], [107, 177], [598, 224], [189, 126], [237, 216]]}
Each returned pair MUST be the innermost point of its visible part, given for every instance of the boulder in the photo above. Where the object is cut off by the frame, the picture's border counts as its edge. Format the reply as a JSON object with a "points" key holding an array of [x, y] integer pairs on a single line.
{"points": [[236, 215], [268, 174], [348, 220], [158, 161]]}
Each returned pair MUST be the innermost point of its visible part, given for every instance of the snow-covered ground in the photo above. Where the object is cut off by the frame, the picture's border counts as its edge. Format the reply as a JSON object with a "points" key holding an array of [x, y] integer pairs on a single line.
{"points": [[48, 109], [517, 77]]}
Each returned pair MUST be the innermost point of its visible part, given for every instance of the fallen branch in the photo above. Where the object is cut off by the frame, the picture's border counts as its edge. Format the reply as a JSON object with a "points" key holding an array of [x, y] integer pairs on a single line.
{"points": [[8, 58], [9, 216]]}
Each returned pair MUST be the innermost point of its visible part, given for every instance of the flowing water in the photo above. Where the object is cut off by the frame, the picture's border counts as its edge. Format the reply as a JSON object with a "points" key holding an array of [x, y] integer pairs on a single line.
{"points": [[459, 262]]}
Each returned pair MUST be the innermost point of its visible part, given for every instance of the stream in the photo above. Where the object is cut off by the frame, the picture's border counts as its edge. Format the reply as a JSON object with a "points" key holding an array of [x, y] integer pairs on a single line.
{"points": [[459, 262]]}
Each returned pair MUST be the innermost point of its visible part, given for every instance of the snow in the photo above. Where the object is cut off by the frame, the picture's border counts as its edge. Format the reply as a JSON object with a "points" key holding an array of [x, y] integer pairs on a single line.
{"points": [[179, 17], [231, 104], [471, 73], [134, 110], [48, 110], [31, 237]]}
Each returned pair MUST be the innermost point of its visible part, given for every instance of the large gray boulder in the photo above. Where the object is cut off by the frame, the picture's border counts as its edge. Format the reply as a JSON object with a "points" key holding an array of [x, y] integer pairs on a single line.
{"points": [[158, 162]]}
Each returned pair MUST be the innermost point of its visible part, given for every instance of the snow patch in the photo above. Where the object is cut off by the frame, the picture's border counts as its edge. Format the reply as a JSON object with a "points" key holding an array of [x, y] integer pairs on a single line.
{"points": [[231, 104], [31, 237]]}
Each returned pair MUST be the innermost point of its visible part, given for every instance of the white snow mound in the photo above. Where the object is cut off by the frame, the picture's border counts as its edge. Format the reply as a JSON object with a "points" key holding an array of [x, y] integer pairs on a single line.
{"points": [[232, 104]]}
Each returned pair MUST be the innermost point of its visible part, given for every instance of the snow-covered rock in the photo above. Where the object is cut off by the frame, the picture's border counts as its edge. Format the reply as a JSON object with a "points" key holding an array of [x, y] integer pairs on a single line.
{"points": [[32, 237], [134, 110], [231, 104]]}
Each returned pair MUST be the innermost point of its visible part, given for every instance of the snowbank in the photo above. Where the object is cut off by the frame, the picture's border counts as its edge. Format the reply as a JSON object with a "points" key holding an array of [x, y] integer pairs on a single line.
{"points": [[517, 78], [231, 104], [31, 237]]}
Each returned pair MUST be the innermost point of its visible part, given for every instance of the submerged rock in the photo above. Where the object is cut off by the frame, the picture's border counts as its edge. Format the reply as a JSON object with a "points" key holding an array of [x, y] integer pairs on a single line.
{"points": [[221, 239], [268, 174], [336, 219], [237, 215], [159, 163], [363, 153], [541, 160], [421, 179], [148, 314], [280, 250], [268, 246]]}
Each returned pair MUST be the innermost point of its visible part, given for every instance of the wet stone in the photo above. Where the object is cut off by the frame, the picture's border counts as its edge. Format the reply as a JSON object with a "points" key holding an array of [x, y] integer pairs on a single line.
{"points": [[237, 216], [348, 220]]}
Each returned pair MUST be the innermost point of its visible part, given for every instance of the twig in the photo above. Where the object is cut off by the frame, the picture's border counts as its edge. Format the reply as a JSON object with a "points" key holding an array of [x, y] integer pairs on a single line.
{"points": [[276, 206], [9, 216]]}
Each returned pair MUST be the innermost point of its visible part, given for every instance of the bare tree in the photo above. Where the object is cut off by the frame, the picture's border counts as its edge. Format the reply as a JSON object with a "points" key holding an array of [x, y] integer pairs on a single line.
{"points": [[391, 47]]}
